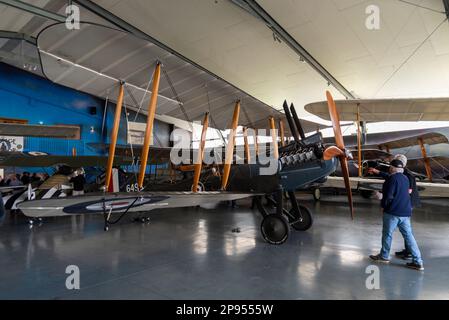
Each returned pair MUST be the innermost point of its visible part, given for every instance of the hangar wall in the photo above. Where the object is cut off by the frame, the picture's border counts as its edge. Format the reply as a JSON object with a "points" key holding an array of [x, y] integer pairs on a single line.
{"points": [[37, 100]]}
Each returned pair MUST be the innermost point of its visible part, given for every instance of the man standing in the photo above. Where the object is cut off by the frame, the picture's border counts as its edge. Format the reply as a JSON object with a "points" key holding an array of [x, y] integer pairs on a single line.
{"points": [[397, 210], [78, 181], [414, 196]]}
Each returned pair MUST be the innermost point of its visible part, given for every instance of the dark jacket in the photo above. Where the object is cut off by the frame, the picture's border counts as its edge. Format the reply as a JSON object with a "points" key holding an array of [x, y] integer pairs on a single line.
{"points": [[396, 198], [414, 196], [78, 182]]}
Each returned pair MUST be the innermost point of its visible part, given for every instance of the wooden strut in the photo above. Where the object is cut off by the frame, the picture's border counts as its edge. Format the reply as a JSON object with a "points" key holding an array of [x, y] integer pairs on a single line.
{"points": [[149, 127], [199, 159], [256, 142], [282, 133], [114, 134], [245, 139], [274, 137], [230, 147], [426, 159], [359, 143]]}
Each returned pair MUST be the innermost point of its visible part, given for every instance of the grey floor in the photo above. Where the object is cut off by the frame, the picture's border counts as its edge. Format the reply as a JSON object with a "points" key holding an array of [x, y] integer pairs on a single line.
{"points": [[193, 254]]}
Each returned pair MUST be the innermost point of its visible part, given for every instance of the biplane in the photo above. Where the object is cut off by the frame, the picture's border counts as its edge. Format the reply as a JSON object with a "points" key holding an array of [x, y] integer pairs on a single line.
{"points": [[114, 65], [298, 164], [374, 150]]}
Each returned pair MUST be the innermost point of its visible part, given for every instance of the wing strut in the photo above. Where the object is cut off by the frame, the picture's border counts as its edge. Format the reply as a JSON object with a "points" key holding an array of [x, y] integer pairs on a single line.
{"points": [[426, 159], [199, 159], [114, 134], [245, 139], [281, 131], [149, 127], [256, 142], [274, 137], [230, 147]]}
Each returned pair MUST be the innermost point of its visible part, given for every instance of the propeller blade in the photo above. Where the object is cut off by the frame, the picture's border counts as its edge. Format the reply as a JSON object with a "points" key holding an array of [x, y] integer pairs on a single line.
{"points": [[335, 118], [345, 172], [332, 152]]}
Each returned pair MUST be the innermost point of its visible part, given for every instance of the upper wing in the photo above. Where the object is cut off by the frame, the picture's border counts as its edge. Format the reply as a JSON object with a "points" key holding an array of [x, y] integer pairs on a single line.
{"points": [[377, 110]]}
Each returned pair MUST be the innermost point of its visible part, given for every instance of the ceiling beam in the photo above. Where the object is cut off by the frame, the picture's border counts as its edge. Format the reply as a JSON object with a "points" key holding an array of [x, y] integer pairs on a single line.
{"points": [[293, 44], [17, 36], [34, 10], [446, 7]]}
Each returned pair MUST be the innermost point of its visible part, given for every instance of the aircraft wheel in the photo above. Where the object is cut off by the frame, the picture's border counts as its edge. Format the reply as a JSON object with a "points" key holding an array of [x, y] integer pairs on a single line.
{"points": [[305, 219], [275, 228], [316, 194], [200, 187]]}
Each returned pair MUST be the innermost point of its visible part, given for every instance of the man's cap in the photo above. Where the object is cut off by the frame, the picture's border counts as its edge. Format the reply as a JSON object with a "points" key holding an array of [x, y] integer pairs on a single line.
{"points": [[397, 163], [402, 158]]}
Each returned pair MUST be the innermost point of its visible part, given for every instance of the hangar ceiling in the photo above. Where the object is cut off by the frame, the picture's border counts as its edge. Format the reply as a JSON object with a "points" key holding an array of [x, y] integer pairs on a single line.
{"points": [[407, 57]]}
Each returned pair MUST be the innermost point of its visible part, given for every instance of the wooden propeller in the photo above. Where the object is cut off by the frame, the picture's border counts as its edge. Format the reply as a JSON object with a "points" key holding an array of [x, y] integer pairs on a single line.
{"points": [[339, 150]]}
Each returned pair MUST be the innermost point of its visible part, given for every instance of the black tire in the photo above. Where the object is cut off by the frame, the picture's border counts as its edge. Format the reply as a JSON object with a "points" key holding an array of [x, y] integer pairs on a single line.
{"points": [[306, 219], [275, 228], [366, 194], [316, 194]]}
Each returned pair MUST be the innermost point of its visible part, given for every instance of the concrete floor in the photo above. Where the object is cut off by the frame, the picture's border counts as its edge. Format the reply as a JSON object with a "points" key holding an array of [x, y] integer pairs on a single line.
{"points": [[193, 254]]}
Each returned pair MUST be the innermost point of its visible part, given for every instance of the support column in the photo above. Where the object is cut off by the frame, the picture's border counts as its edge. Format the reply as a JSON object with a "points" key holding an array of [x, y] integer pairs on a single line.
{"points": [[149, 127], [230, 147], [199, 159], [274, 137], [426, 159], [359, 143], [114, 134]]}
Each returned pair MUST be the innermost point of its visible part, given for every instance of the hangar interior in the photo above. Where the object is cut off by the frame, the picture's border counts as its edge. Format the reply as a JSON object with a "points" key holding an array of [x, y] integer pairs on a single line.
{"points": [[294, 103]]}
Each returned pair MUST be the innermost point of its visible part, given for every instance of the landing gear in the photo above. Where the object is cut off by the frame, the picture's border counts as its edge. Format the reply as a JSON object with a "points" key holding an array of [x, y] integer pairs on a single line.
{"points": [[304, 218], [34, 221], [275, 226], [142, 219], [316, 194]]}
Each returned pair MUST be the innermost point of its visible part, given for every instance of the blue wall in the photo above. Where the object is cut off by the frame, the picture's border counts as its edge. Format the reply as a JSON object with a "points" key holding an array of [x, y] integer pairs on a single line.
{"points": [[40, 101], [26, 96]]}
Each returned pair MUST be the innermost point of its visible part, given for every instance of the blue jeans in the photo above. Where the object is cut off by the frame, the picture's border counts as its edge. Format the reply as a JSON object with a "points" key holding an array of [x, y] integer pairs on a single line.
{"points": [[390, 223]]}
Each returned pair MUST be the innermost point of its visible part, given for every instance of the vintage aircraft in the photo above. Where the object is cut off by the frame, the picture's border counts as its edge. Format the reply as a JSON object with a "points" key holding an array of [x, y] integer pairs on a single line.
{"points": [[373, 150], [118, 72], [298, 164]]}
